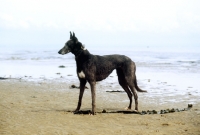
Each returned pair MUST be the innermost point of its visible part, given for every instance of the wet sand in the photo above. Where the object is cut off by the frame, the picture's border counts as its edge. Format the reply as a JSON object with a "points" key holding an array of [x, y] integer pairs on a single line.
{"points": [[42, 108]]}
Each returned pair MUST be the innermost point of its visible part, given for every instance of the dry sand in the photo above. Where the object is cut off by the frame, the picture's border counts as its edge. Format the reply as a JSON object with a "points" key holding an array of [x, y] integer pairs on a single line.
{"points": [[41, 108]]}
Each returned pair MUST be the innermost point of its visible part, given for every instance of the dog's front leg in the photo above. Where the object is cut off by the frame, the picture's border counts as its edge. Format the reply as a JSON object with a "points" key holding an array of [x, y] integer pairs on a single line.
{"points": [[93, 93], [82, 89]]}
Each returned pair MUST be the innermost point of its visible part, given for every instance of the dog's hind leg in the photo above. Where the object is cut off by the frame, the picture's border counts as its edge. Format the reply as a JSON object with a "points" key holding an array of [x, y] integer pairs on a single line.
{"points": [[129, 75], [135, 96], [124, 85], [131, 85], [82, 88]]}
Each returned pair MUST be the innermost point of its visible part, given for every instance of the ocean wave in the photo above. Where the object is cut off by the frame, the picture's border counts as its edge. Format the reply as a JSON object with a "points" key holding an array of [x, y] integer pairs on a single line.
{"points": [[15, 58], [190, 62]]}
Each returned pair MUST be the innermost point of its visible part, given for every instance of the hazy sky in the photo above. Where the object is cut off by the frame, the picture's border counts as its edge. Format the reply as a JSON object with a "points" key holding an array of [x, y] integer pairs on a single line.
{"points": [[100, 22]]}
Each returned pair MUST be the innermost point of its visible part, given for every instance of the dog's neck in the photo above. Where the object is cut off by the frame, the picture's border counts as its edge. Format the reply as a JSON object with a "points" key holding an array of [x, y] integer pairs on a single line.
{"points": [[82, 55], [81, 52]]}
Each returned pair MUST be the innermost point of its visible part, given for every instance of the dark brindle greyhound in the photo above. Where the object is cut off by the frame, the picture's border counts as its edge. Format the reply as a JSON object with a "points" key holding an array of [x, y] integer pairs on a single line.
{"points": [[92, 68]]}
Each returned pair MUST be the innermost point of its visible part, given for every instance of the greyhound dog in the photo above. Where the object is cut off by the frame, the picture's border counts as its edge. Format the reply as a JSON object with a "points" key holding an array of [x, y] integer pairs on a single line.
{"points": [[92, 68]]}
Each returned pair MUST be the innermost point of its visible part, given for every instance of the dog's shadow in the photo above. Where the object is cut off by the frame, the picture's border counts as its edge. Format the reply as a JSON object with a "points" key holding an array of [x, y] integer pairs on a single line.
{"points": [[110, 111]]}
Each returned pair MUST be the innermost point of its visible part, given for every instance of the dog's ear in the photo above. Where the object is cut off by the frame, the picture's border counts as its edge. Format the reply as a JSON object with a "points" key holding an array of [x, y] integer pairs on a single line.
{"points": [[74, 38], [70, 35], [74, 35]]}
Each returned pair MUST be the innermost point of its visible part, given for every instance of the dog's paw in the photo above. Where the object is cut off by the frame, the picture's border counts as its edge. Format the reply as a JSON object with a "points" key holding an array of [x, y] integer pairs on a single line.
{"points": [[76, 112], [127, 108], [92, 113], [136, 111]]}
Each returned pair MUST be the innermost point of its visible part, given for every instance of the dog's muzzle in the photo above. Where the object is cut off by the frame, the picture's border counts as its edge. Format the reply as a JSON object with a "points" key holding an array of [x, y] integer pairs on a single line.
{"points": [[63, 51]]}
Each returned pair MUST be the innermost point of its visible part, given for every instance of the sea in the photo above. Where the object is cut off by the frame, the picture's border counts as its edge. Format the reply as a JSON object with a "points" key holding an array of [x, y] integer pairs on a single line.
{"points": [[160, 69]]}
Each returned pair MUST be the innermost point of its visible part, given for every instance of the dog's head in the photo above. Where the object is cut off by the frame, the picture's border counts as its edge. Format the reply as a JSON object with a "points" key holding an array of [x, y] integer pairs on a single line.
{"points": [[72, 45]]}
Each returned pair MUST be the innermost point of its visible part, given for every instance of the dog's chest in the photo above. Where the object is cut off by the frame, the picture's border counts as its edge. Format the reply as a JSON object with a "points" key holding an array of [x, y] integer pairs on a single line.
{"points": [[84, 66], [81, 74]]}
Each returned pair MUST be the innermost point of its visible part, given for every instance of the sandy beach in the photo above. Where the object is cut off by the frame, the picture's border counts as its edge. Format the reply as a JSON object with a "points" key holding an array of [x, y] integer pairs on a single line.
{"points": [[43, 108], [46, 47]]}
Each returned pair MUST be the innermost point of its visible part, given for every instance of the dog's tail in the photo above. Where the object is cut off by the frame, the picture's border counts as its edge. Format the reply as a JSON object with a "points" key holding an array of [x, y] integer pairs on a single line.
{"points": [[136, 86]]}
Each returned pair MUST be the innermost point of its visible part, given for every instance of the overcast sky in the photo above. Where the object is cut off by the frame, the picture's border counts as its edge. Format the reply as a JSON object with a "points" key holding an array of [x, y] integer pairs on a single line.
{"points": [[100, 22]]}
